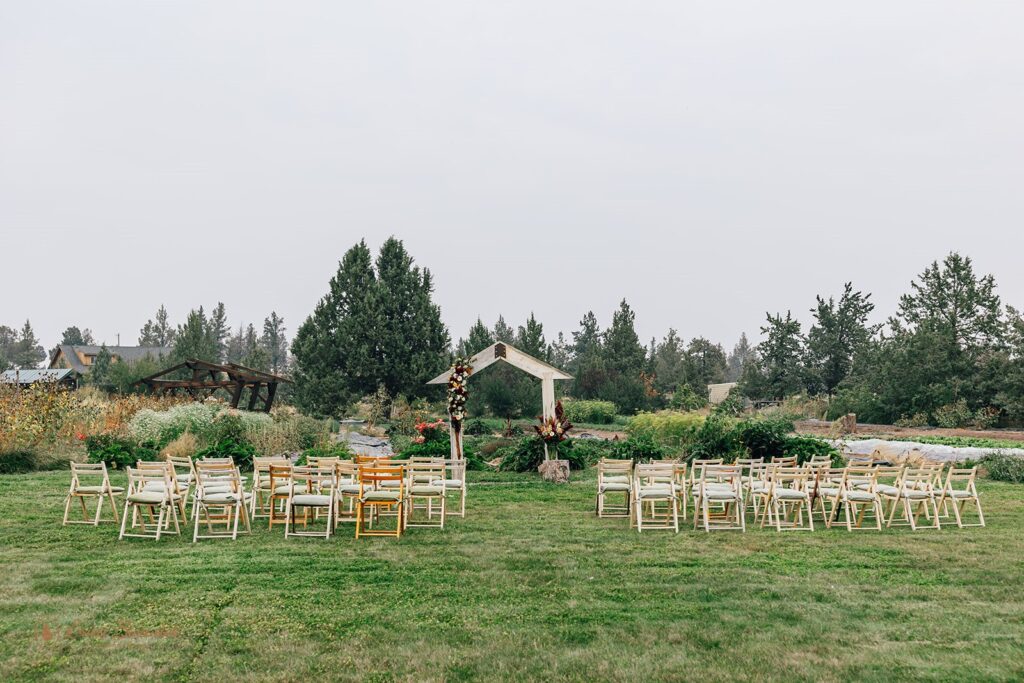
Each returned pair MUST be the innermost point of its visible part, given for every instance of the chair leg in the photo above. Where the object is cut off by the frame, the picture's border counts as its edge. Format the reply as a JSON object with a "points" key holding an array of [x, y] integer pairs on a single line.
{"points": [[67, 509], [124, 520]]}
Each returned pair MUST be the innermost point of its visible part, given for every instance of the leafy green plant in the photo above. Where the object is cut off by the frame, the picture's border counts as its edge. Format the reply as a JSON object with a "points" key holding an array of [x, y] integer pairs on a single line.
{"points": [[685, 398], [1004, 468], [638, 448], [476, 427], [763, 437], [117, 451], [954, 415], [525, 455], [589, 412], [17, 461], [240, 451], [716, 438], [670, 429]]}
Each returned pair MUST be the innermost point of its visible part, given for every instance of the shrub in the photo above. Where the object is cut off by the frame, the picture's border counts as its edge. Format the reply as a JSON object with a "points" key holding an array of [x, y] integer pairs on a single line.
{"points": [[525, 455], [716, 438], [591, 412], [763, 437], [915, 420], [954, 415], [476, 427], [1004, 468], [17, 461], [986, 418], [685, 398], [336, 449], [804, 447], [185, 446], [117, 451], [638, 448], [242, 452], [586, 452], [732, 406], [670, 429]]}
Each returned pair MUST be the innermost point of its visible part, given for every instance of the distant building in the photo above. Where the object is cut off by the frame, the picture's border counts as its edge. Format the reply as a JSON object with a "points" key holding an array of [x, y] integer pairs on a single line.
{"points": [[81, 358], [719, 392], [63, 376]]}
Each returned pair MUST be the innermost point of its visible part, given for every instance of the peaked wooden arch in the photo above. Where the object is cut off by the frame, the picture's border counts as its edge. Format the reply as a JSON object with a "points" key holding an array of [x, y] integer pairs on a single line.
{"points": [[533, 366]]}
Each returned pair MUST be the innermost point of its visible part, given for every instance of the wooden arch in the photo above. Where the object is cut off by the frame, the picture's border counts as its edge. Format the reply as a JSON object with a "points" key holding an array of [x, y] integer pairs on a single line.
{"points": [[516, 358]]}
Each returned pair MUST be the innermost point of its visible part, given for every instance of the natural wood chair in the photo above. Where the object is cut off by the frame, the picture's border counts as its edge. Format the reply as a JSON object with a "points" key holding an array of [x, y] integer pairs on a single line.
{"points": [[654, 484], [311, 489], [91, 481], [752, 471], [789, 498], [425, 483], [259, 502], [958, 497], [376, 494], [455, 480], [280, 487], [346, 474], [157, 483], [719, 499], [614, 477], [915, 496], [151, 490], [858, 495], [210, 493], [783, 461]]}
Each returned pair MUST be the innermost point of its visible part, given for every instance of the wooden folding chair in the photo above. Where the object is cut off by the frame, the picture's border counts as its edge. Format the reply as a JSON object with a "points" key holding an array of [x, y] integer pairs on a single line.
{"points": [[789, 498], [914, 495], [311, 489], [614, 477], [346, 474], [654, 484], [259, 501], [157, 484], [783, 461], [719, 499], [279, 477], [858, 494], [210, 493], [958, 498], [828, 498], [150, 490], [425, 483], [375, 494], [91, 481], [750, 470], [455, 480]]}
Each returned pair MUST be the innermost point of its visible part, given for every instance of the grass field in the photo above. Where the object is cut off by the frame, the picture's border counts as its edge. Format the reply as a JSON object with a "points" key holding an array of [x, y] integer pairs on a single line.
{"points": [[529, 586]]}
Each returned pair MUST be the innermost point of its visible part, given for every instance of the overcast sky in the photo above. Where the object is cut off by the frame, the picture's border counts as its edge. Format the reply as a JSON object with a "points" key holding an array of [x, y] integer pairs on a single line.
{"points": [[708, 161]]}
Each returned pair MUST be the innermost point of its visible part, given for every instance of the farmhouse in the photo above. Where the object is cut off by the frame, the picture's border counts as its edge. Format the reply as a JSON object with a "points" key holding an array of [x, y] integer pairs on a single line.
{"points": [[81, 358]]}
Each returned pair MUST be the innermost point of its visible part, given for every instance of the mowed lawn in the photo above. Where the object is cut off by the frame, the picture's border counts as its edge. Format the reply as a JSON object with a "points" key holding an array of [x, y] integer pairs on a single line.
{"points": [[529, 586]]}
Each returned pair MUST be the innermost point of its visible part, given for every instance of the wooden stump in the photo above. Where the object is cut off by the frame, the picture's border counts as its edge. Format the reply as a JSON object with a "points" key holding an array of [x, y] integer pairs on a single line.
{"points": [[556, 471], [848, 424]]}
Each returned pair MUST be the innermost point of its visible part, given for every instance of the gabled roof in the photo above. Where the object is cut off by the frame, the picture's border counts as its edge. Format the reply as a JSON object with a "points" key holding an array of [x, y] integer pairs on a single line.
{"points": [[511, 355], [31, 376], [126, 354]]}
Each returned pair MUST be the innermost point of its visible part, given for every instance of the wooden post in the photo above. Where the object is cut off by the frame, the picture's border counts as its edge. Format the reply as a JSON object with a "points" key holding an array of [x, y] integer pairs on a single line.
{"points": [[547, 394]]}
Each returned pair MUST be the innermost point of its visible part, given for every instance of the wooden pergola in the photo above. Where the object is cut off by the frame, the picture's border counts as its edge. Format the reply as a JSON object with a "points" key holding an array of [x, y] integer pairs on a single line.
{"points": [[209, 378], [547, 374]]}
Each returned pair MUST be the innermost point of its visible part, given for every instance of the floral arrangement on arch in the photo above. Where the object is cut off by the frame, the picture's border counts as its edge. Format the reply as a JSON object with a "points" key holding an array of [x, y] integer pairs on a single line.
{"points": [[430, 431], [457, 393], [556, 428]]}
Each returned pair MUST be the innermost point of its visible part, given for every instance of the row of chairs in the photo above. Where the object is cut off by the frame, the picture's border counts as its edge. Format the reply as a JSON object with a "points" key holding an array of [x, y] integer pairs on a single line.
{"points": [[364, 491], [783, 495]]}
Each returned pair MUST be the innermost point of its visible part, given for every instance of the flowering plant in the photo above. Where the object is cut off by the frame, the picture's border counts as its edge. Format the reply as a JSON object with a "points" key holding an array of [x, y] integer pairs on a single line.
{"points": [[429, 431], [457, 393], [556, 428]]}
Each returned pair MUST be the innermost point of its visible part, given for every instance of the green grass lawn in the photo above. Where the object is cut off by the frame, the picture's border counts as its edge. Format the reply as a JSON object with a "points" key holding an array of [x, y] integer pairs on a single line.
{"points": [[529, 586]]}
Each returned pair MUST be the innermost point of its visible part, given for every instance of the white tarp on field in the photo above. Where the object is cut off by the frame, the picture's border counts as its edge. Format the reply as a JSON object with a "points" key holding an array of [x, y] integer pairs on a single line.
{"points": [[902, 450]]}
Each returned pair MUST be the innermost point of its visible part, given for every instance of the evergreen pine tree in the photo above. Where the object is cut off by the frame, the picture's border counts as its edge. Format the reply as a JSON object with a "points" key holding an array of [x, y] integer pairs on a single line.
{"points": [[624, 359], [157, 332], [28, 352]]}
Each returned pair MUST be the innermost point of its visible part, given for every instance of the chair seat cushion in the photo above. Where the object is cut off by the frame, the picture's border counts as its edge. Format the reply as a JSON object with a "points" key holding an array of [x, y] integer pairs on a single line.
{"points": [[790, 494], [151, 497], [381, 496], [99, 489], [349, 488], [959, 494], [663, 492], [224, 497], [887, 489], [615, 479], [452, 483], [828, 491], [720, 494], [426, 490], [390, 484], [614, 486], [916, 494], [858, 496], [311, 499]]}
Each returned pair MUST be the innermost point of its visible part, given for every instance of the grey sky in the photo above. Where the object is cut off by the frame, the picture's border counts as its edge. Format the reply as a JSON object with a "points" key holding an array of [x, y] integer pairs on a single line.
{"points": [[707, 161]]}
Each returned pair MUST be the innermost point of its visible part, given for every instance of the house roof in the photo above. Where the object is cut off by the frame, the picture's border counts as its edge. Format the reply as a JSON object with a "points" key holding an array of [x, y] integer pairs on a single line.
{"points": [[32, 376], [126, 354]]}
